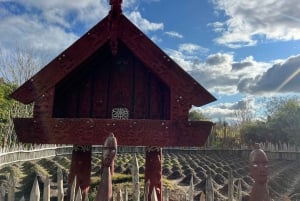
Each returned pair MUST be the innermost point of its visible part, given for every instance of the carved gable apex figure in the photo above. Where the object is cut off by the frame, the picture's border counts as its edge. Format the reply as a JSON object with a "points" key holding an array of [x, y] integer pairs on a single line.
{"points": [[113, 79]]}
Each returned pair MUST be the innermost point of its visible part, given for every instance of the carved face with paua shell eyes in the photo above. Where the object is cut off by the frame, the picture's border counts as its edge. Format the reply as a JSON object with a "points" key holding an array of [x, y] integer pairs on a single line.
{"points": [[258, 164], [109, 150]]}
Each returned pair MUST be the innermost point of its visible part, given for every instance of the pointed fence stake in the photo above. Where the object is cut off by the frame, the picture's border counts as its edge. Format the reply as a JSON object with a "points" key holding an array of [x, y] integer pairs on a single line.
{"points": [[154, 195], [60, 187], [73, 189], [209, 188], [239, 191], [230, 186], [35, 191], [46, 191], [166, 194], [78, 195], [11, 187], [119, 195], [2, 192], [146, 190], [126, 193], [191, 190], [202, 196], [135, 179]]}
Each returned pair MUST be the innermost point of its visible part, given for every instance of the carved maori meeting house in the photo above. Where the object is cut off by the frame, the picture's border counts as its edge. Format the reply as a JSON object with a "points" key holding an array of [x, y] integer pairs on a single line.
{"points": [[113, 79]]}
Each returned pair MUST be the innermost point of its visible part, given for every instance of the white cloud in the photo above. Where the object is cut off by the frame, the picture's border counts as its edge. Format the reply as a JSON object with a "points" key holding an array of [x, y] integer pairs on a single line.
{"points": [[283, 77], [174, 34], [144, 24], [272, 19], [191, 48]]}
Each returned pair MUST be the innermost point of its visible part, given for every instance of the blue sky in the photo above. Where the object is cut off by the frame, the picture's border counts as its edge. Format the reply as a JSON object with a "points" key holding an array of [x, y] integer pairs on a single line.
{"points": [[240, 51]]}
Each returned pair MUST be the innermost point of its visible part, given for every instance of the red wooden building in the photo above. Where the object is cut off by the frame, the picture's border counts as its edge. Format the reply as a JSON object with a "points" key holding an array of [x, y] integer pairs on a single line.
{"points": [[112, 79]]}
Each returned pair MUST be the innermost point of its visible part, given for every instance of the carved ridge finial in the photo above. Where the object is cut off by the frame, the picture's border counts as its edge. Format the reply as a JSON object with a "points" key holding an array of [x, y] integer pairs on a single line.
{"points": [[114, 13]]}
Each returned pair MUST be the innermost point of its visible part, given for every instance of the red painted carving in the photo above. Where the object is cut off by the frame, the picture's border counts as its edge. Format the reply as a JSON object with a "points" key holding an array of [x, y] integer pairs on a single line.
{"points": [[107, 167], [43, 106], [81, 168], [153, 171], [129, 132]]}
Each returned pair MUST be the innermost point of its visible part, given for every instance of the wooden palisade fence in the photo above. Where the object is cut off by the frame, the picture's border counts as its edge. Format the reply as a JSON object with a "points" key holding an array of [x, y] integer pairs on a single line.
{"points": [[12, 156], [35, 194]]}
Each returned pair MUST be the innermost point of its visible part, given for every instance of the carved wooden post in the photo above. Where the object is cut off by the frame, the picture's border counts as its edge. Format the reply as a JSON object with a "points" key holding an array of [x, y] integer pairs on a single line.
{"points": [[153, 171], [81, 168], [109, 153], [258, 165]]}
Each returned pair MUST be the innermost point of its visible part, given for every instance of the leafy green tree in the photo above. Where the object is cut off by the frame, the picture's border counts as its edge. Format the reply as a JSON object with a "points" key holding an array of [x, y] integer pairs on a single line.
{"points": [[197, 116], [281, 126], [285, 122], [5, 102], [256, 131]]}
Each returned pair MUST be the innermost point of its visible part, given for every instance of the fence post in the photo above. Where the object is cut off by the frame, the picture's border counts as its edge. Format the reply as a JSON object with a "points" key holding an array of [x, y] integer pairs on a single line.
{"points": [[11, 187], [239, 191], [191, 190], [79, 195], [166, 194], [135, 179], [60, 187], [35, 191], [202, 196], [126, 193], [46, 194], [73, 189], [119, 195], [209, 188], [146, 190], [230, 186], [153, 195], [2, 193]]}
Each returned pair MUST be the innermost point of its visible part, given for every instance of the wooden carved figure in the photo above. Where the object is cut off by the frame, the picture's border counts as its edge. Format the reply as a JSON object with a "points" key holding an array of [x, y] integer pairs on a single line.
{"points": [[107, 169], [258, 165]]}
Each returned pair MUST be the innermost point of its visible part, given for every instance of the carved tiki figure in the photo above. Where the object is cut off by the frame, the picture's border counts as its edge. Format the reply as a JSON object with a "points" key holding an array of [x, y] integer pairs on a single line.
{"points": [[107, 169], [259, 168]]}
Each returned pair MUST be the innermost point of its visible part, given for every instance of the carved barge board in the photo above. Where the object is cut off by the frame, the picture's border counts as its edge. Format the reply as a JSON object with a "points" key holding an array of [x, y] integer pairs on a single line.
{"points": [[128, 132]]}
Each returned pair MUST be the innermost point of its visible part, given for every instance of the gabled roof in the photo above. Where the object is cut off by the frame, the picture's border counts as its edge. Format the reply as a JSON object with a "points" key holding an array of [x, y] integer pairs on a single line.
{"points": [[120, 28]]}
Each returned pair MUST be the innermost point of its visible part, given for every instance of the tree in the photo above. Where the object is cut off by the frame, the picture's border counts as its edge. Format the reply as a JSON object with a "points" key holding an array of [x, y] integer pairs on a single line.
{"points": [[285, 122], [197, 116], [5, 102], [281, 126], [15, 68], [255, 131]]}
